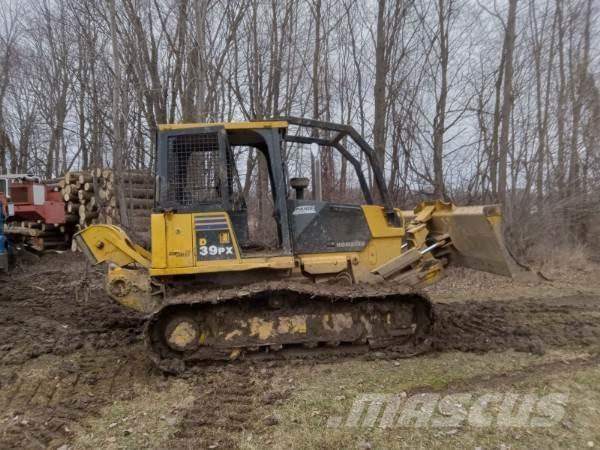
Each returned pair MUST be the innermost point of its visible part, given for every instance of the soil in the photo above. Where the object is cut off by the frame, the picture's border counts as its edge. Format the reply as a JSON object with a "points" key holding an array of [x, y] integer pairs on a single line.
{"points": [[66, 352], [522, 325]]}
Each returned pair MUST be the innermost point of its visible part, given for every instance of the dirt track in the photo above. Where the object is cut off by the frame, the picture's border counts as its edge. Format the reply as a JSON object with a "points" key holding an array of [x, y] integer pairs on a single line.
{"points": [[64, 356]]}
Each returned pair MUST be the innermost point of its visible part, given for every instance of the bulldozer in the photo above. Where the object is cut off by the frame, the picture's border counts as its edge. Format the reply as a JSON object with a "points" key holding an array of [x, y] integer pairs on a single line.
{"points": [[340, 274]]}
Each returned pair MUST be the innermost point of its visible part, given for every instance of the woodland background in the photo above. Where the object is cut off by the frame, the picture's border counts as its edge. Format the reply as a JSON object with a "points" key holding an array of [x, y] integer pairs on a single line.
{"points": [[468, 100]]}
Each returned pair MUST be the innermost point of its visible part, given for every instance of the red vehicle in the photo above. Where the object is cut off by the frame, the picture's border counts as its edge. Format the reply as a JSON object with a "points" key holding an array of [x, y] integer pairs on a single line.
{"points": [[32, 201]]}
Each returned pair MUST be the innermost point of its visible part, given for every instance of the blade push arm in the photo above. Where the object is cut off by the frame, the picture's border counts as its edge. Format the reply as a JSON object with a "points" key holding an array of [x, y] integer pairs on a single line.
{"points": [[108, 243]]}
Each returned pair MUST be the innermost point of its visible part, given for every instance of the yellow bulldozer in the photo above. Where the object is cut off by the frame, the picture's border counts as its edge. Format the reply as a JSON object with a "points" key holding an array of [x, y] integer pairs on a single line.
{"points": [[339, 274]]}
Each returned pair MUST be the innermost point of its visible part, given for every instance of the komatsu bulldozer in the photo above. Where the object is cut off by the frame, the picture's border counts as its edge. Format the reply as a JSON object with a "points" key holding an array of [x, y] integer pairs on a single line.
{"points": [[340, 274]]}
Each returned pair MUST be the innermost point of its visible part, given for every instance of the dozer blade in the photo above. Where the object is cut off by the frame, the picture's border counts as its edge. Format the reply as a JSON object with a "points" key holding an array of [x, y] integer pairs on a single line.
{"points": [[475, 236]]}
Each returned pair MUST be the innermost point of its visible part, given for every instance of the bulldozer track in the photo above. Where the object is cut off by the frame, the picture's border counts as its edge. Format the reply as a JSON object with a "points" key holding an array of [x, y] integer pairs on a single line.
{"points": [[388, 306]]}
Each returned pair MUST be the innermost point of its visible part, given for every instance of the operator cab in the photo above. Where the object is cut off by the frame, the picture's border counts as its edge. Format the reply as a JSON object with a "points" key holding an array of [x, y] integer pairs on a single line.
{"points": [[200, 169]]}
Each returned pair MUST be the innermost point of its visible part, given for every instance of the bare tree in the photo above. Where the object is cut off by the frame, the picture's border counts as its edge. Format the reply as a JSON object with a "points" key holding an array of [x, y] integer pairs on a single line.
{"points": [[119, 117], [507, 101]]}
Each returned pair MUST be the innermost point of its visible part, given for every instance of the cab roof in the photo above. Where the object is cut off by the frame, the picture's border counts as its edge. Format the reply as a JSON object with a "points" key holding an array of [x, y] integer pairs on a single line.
{"points": [[226, 125]]}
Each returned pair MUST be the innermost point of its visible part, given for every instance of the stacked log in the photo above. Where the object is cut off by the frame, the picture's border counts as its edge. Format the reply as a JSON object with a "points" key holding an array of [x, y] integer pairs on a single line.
{"points": [[89, 197], [138, 187]]}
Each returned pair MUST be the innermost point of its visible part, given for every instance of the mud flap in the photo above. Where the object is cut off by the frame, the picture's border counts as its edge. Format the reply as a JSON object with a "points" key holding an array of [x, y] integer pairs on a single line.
{"points": [[476, 239]]}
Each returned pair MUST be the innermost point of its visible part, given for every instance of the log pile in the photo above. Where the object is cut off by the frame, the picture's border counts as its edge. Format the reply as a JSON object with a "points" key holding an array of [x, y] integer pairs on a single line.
{"points": [[138, 188], [90, 198]]}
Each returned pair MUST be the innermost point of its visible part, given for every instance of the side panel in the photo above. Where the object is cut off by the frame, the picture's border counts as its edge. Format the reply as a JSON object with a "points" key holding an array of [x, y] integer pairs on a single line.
{"points": [[159, 244], [338, 235], [189, 236], [319, 227], [179, 240], [378, 223]]}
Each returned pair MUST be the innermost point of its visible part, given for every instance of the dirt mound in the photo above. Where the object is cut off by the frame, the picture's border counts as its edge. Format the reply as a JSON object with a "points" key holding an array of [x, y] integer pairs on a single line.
{"points": [[522, 325]]}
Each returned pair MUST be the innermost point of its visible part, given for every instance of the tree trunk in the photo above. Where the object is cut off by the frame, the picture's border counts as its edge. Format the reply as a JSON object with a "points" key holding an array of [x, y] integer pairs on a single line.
{"points": [[507, 102], [439, 121], [379, 93], [118, 119]]}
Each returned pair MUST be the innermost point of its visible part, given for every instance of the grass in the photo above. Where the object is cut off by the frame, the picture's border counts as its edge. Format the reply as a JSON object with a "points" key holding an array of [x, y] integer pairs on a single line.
{"points": [[147, 421], [323, 391]]}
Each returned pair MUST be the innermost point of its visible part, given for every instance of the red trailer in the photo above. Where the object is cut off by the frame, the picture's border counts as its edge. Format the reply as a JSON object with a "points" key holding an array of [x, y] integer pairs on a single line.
{"points": [[34, 201], [37, 213]]}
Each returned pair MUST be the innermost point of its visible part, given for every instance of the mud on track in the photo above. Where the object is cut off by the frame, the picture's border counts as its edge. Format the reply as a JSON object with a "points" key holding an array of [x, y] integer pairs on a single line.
{"points": [[64, 356]]}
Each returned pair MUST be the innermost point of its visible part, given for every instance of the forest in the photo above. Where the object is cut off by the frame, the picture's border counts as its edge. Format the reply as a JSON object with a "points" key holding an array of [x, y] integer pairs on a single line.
{"points": [[470, 101]]}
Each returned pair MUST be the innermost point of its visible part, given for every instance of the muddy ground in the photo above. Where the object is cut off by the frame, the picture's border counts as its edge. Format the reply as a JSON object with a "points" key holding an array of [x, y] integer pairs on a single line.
{"points": [[73, 372]]}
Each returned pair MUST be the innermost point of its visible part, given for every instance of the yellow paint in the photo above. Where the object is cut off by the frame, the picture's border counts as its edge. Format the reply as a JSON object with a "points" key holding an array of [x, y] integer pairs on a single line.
{"points": [[263, 329], [292, 324], [202, 338], [109, 243], [180, 246], [372, 255], [378, 224], [159, 249], [275, 262], [183, 335], [417, 234], [131, 288], [324, 263], [424, 214], [433, 275], [227, 125], [495, 219], [232, 335]]}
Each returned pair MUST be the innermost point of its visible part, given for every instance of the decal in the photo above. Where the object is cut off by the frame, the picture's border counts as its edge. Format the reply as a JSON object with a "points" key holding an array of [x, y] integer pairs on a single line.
{"points": [[214, 238], [215, 250], [210, 223], [350, 244], [304, 209], [180, 253]]}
